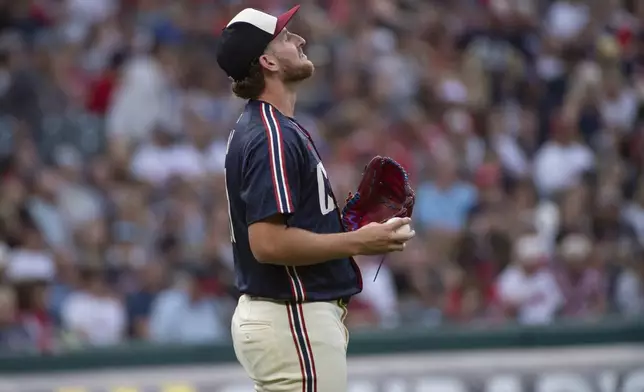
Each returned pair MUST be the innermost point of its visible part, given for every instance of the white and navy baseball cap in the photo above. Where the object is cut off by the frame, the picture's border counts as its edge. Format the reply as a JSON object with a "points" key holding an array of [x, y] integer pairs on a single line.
{"points": [[246, 37]]}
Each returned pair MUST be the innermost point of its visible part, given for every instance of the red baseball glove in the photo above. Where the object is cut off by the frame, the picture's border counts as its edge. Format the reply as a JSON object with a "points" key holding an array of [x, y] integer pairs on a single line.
{"points": [[384, 192]]}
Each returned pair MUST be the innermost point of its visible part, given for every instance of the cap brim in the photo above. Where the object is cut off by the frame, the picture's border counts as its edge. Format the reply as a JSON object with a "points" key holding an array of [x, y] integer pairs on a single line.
{"points": [[283, 19]]}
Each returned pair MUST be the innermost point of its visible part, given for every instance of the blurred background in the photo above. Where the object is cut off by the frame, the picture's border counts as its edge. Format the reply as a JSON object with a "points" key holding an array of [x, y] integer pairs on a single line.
{"points": [[521, 123]]}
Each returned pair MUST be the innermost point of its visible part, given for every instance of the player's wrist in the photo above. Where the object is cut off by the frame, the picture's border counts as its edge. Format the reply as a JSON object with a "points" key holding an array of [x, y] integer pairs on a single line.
{"points": [[353, 243]]}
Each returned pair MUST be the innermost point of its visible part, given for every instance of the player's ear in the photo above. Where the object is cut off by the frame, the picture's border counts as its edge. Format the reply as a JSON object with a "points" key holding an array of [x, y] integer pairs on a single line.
{"points": [[269, 62]]}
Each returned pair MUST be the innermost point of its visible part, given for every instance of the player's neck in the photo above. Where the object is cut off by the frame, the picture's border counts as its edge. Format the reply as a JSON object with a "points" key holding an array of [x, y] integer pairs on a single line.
{"points": [[281, 97]]}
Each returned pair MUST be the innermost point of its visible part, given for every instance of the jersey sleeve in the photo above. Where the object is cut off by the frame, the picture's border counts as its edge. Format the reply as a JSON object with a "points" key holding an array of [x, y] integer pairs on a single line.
{"points": [[271, 173]]}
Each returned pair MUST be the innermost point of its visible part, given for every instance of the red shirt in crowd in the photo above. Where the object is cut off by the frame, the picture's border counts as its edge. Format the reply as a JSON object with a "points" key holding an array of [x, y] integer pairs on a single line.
{"points": [[40, 328], [456, 306], [100, 93]]}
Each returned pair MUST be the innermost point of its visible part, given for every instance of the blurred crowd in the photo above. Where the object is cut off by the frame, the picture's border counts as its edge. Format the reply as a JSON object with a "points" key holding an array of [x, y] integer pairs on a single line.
{"points": [[521, 123]]}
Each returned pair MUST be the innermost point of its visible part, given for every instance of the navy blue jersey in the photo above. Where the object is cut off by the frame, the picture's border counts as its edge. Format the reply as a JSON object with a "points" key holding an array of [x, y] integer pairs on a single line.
{"points": [[272, 167]]}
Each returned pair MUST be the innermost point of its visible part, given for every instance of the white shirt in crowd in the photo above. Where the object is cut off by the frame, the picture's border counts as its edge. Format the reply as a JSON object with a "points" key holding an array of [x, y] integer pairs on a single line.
{"points": [[512, 157], [629, 294], [82, 14], [90, 11], [620, 112], [381, 294], [156, 164], [634, 214], [101, 320], [537, 296], [143, 100], [25, 264], [565, 20], [556, 167]]}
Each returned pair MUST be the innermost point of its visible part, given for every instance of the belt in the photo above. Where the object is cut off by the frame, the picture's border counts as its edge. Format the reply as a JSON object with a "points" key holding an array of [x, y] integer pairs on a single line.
{"points": [[343, 301]]}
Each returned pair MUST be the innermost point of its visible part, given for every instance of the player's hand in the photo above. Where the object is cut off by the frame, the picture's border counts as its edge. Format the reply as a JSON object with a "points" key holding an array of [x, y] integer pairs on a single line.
{"points": [[381, 238]]}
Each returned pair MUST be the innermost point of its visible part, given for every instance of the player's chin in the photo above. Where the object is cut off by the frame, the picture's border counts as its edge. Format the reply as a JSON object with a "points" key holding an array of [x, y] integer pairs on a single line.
{"points": [[306, 69], [310, 66], [298, 72]]}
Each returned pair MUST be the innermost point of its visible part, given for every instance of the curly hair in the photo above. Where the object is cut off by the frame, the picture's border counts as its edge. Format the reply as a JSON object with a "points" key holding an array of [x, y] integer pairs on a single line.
{"points": [[251, 86]]}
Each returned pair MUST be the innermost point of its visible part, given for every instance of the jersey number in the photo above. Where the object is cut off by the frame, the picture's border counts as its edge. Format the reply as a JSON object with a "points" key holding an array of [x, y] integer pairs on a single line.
{"points": [[326, 202]]}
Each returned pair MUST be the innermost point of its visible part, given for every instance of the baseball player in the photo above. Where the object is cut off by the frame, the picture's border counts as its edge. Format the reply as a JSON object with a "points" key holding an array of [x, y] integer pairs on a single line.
{"points": [[293, 260]]}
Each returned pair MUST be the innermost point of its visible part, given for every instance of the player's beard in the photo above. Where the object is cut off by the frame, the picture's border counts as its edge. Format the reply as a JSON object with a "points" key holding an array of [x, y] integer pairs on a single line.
{"points": [[293, 73]]}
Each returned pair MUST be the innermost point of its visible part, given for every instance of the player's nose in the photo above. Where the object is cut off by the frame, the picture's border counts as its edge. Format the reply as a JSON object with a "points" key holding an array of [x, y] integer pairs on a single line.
{"points": [[300, 41]]}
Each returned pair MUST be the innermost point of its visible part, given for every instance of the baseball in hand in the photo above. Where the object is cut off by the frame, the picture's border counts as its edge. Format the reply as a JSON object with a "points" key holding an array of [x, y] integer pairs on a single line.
{"points": [[404, 229]]}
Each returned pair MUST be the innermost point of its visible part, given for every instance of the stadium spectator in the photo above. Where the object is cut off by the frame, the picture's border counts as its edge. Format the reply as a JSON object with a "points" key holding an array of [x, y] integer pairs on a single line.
{"points": [[187, 313], [14, 338], [101, 89], [528, 289], [31, 260], [630, 289], [378, 302], [93, 314], [443, 204], [33, 315], [143, 99], [580, 280], [473, 296], [562, 161], [633, 213], [152, 277]]}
